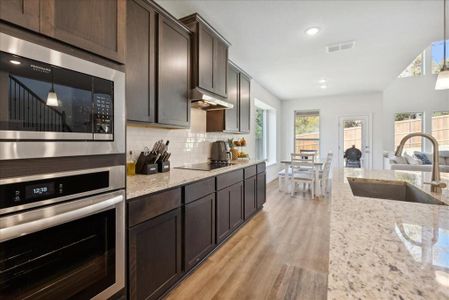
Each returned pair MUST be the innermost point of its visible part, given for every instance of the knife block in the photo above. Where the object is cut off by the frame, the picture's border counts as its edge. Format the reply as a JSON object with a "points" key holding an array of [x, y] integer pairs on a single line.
{"points": [[163, 166]]}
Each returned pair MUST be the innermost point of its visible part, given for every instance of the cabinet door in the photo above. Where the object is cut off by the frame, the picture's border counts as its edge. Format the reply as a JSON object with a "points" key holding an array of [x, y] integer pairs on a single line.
{"points": [[220, 68], [155, 255], [236, 205], [173, 74], [232, 115], [24, 13], [223, 226], [205, 58], [199, 230], [261, 189], [140, 62], [245, 103], [97, 26], [229, 210], [250, 196]]}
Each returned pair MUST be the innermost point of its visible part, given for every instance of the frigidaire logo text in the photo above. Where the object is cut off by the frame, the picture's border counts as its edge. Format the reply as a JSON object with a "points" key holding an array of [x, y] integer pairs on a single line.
{"points": [[40, 69]]}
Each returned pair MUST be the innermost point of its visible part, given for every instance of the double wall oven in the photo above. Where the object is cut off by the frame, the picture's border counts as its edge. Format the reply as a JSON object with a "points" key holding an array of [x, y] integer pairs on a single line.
{"points": [[62, 232]]}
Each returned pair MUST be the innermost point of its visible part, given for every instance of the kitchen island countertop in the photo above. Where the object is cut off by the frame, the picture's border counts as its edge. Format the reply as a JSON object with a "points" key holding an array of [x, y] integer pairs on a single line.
{"points": [[386, 249]]}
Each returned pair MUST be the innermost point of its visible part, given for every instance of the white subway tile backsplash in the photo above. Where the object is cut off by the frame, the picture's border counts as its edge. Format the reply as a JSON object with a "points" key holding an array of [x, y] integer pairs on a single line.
{"points": [[186, 145]]}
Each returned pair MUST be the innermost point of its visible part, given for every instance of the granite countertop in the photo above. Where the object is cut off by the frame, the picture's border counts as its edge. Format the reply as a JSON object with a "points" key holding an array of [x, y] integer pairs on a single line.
{"points": [[386, 249], [140, 185]]}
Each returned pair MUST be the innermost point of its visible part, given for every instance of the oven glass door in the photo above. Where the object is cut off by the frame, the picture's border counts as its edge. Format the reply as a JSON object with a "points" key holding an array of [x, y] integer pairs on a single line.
{"points": [[72, 260], [42, 101]]}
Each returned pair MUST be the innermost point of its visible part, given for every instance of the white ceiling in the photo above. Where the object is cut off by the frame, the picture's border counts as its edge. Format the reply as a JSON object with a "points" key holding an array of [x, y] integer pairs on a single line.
{"points": [[268, 40]]}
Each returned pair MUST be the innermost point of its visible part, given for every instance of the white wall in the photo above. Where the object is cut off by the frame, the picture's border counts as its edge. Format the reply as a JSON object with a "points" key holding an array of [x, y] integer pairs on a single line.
{"points": [[331, 108], [413, 94]]}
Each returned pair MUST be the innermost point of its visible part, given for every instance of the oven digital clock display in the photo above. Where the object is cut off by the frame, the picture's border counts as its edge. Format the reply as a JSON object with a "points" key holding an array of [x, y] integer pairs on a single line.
{"points": [[39, 190]]}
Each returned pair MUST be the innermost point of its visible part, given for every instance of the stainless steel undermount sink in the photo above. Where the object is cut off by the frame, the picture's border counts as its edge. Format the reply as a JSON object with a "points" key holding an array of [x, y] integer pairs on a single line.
{"points": [[390, 190]]}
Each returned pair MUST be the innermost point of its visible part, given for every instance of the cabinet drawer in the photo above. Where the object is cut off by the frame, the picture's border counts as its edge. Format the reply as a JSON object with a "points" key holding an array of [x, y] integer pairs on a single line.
{"points": [[150, 206], [261, 168], [229, 179], [250, 171], [199, 189]]}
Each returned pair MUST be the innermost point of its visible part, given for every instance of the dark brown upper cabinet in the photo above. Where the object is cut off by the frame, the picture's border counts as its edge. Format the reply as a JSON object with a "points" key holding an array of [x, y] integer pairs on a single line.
{"points": [[236, 119], [24, 13], [157, 67], [209, 57], [97, 26], [245, 103]]}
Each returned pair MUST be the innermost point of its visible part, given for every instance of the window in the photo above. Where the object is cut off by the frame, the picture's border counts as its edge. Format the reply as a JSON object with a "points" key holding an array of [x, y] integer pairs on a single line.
{"points": [[437, 55], [415, 68], [440, 128], [352, 134], [261, 134], [405, 123], [307, 131], [265, 132]]}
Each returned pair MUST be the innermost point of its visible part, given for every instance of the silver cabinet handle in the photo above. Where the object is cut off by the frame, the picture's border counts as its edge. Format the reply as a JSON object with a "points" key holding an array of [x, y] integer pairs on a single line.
{"points": [[19, 230]]}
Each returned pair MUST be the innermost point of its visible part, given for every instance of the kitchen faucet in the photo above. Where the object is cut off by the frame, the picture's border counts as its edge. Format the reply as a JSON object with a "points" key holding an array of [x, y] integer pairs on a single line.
{"points": [[436, 185]]}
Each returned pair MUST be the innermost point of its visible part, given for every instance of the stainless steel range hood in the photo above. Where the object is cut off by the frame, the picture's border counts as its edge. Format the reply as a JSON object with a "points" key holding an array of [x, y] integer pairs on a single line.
{"points": [[207, 101]]}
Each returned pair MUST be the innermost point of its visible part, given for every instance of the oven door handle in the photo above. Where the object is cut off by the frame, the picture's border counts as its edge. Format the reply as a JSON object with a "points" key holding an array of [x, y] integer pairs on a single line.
{"points": [[22, 229]]}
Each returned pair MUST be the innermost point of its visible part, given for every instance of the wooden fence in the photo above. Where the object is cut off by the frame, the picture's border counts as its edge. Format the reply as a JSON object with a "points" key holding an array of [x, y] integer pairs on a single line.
{"points": [[352, 135]]}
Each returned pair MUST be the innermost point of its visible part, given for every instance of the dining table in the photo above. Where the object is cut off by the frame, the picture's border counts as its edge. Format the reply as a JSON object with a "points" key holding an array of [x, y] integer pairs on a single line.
{"points": [[317, 164]]}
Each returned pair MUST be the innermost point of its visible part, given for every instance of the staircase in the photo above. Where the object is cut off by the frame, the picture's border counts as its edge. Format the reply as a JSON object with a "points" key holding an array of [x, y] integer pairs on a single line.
{"points": [[29, 112]]}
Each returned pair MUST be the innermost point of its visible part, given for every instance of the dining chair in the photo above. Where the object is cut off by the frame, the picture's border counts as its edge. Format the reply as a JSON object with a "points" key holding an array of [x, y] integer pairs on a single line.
{"points": [[283, 176], [303, 171], [324, 174], [283, 179]]}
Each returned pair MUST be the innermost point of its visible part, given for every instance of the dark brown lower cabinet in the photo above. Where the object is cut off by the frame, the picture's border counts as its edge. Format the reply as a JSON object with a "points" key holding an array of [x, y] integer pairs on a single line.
{"points": [[155, 255], [229, 210], [261, 189], [199, 230], [250, 196]]}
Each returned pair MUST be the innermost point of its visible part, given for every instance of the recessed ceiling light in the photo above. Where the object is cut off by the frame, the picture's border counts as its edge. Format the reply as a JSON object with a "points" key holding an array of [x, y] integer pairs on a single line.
{"points": [[322, 81], [15, 62], [323, 86], [312, 31]]}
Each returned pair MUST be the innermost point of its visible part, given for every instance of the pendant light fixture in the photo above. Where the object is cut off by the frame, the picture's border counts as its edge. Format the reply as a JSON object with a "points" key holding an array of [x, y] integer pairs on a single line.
{"points": [[443, 76], [52, 98]]}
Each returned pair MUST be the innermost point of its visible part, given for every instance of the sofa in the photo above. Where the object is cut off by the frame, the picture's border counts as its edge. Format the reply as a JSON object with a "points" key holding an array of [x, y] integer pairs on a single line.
{"points": [[419, 161]]}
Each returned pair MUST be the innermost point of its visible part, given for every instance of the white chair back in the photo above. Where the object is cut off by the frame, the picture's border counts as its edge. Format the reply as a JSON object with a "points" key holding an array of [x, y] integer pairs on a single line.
{"points": [[327, 167], [309, 156]]}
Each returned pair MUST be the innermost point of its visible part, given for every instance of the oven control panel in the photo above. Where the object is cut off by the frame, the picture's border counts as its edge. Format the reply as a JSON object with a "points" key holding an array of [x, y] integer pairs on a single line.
{"points": [[14, 194], [103, 111]]}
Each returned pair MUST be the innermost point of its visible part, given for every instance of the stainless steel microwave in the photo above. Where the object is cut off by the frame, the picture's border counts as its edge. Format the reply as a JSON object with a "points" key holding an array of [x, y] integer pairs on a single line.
{"points": [[54, 104]]}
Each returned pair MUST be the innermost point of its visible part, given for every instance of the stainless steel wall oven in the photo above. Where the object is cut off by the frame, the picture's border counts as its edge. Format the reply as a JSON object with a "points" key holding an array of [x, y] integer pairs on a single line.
{"points": [[62, 235], [54, 104]]}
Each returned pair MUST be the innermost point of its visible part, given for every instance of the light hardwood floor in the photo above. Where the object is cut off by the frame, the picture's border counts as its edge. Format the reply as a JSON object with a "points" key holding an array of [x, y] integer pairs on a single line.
{"points": [[282, 253]]}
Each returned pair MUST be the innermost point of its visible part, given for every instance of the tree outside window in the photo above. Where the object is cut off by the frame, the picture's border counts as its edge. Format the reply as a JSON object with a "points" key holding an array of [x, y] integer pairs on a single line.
{"points": [[307, 131]]}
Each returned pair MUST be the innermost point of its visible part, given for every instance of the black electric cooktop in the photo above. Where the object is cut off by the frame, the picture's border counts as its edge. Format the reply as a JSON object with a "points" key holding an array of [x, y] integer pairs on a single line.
{"points": [[207, 166]]}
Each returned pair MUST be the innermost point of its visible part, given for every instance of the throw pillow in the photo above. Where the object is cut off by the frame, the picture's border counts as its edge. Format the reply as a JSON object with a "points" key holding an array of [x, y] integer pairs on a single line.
{"points": [[411, 160], [423, 157], [399, 160]]}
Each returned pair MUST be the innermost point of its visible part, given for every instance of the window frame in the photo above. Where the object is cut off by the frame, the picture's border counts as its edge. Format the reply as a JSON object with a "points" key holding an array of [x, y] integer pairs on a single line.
{"points": [[437, 70], [265, 135], [423, 66], [311, 112]]}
